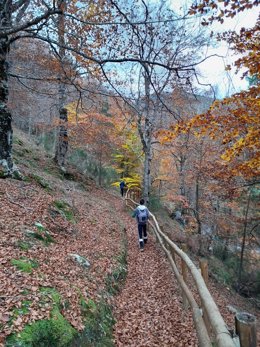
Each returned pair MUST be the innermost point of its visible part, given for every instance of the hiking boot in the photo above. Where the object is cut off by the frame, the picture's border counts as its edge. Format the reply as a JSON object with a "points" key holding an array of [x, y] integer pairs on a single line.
{"points": [[145, 240], [141, 249]]}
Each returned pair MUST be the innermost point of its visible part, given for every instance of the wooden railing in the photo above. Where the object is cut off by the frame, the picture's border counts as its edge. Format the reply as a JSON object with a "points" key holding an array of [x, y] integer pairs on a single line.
{"points": [[208, 321]]}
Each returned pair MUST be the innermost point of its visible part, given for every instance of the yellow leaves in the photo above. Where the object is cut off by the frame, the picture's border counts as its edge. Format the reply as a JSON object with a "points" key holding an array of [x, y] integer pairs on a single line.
{"points": [[226, 156], [131, 182], [118, 156], [239, 143]]}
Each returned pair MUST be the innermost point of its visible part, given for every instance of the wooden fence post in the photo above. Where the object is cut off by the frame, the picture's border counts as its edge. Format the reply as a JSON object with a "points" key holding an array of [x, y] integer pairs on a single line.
{"points": [[184, 276], [246, 329], [172, 254], [204, 270], [205, 275]]}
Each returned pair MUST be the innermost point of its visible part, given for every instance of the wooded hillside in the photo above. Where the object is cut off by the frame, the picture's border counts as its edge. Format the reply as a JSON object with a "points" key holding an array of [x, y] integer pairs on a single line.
{"points": [[93, 93]]}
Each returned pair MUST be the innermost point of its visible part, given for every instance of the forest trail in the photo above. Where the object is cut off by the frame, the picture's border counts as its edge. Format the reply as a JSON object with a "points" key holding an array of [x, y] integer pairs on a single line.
{"points": [[148, 310], [84, 219]]}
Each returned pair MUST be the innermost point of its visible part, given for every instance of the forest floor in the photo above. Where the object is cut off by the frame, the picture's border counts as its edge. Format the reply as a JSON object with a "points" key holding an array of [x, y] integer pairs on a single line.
{"points": [[80, 218]]}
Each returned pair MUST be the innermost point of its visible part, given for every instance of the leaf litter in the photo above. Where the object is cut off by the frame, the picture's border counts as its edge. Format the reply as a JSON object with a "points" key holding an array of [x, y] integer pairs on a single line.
{"points": [[148, 309]]}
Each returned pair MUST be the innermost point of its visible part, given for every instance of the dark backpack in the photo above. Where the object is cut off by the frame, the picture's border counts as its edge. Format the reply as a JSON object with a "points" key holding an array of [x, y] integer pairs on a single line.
{"points": [[142, 216]]}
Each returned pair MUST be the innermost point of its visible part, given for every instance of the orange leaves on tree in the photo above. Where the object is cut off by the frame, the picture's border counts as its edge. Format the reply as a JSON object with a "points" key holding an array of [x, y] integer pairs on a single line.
{"points": [[220, 9]]}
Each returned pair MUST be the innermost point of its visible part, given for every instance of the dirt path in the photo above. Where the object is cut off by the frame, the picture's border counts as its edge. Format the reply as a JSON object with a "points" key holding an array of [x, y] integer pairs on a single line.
{"points": [[148, 310]]}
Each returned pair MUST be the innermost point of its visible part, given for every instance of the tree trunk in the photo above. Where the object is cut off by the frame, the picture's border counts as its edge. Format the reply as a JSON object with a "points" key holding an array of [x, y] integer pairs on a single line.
{"points": [[182, 177], [62, 141], [62, 144], [197, 205], [243, 244], [100, 169], [147, 143], [147, 174], [7, 167]]}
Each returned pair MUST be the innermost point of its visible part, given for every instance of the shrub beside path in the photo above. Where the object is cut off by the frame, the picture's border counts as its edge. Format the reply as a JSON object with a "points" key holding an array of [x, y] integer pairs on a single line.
{"points": [[148, 310]]}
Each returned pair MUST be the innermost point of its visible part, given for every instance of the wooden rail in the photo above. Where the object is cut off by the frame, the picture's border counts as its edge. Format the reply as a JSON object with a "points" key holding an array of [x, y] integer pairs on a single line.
{"points": [[211, 314]]}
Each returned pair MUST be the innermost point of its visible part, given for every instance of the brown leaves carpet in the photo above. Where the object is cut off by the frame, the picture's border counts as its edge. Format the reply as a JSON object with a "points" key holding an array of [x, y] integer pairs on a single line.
{"points": [[148, 309]]}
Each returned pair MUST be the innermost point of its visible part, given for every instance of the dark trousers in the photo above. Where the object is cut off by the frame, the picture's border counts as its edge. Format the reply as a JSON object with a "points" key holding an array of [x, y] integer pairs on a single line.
{"points": [[142, 232], [122, 191]]}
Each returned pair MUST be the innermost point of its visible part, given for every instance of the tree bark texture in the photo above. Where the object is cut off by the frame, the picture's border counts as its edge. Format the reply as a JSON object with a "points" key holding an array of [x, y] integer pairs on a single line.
{"points": [[62, 144], [182, 162], [240, 269], [147, 143], [197, 212], [6, 131], [62, 141]]}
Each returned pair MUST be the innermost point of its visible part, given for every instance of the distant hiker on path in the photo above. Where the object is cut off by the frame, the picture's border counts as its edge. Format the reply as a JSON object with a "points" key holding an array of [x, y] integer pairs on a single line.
{"points": [[142, 214], [122, 187]]}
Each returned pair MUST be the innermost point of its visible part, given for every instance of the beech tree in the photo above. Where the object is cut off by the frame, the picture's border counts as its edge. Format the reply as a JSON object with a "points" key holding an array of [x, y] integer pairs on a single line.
{"points": [[62, 142], [236, 120], [12, 22], [97, 36], [173, 42]]}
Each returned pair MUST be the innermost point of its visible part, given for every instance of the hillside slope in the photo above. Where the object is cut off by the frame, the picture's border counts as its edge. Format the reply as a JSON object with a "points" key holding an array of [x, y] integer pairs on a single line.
{"points": [[51, 227], [46, 222]]}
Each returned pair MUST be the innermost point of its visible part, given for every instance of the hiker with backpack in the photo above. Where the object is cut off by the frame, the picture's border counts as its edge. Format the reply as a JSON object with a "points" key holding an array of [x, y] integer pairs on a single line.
{"points": [[141, 213], [122, 187]]}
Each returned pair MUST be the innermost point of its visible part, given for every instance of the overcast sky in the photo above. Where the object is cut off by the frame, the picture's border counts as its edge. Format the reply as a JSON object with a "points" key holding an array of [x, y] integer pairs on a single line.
{"points": [[213, 70]]}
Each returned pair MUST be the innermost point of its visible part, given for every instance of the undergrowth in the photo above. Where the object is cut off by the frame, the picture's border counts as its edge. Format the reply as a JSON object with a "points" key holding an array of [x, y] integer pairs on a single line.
{"points": [[53, 332], [65, 210], [24, 264], [99, 321], [98, 317]]}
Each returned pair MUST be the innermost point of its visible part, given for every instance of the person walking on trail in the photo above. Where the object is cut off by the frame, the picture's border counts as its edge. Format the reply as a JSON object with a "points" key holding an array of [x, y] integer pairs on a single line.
{"points": [[141, 213], [122, 187]]}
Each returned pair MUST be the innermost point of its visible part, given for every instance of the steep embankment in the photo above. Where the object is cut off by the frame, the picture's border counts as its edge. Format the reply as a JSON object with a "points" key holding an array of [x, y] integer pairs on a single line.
{"points": [[48, 218], [45, 220]]}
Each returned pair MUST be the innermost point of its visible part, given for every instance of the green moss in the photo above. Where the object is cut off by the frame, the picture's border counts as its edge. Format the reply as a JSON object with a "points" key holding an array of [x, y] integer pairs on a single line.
{"points": [[25, 292], [22, 310], [41, 181], [24, 264], [47, 292], [24, 246], [2, 174], [41, 234], [17, 141], [53, 332], [99, 323], [65, 210], [99, 320], [116, 279]]}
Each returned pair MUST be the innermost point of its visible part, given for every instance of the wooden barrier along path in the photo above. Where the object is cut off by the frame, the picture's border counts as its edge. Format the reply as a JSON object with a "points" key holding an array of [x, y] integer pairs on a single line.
{"points": [[206, 316]]}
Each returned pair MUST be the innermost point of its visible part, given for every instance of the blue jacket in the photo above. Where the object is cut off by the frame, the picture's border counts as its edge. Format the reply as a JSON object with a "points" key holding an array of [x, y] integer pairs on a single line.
{"points": [[122, 184]]}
